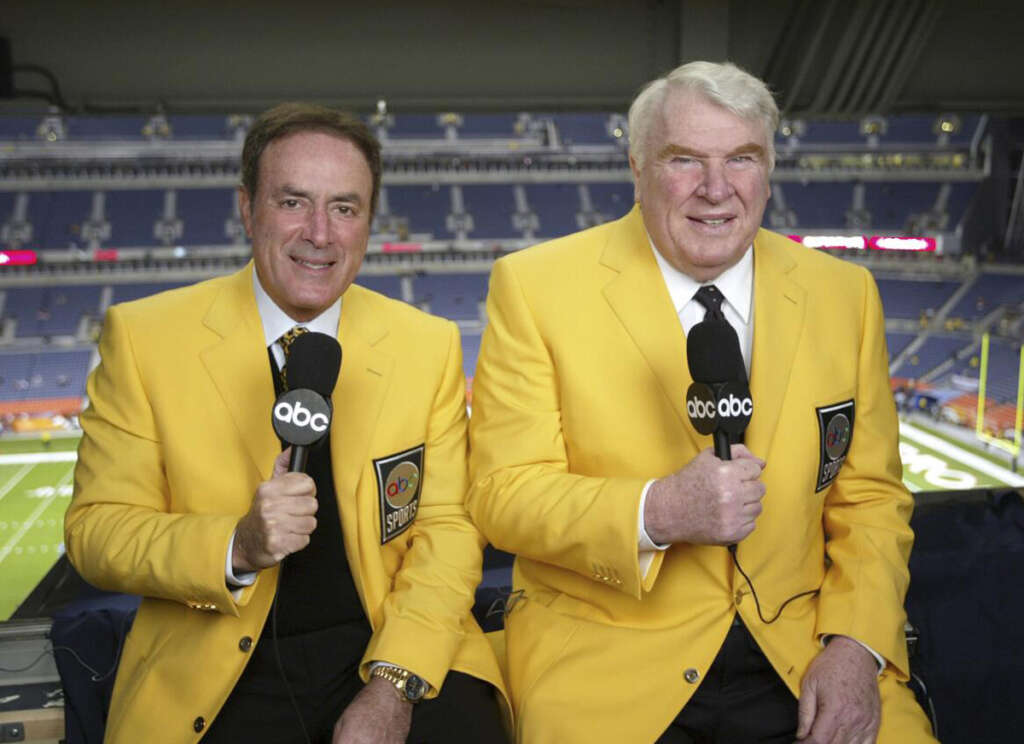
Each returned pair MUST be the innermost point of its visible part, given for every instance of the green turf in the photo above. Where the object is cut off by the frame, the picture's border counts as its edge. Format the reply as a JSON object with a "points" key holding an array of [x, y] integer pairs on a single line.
{"points": [[34, 497]]}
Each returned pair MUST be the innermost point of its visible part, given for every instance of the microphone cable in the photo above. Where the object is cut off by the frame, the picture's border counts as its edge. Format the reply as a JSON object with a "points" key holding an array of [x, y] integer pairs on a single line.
{"points": [[753, 592], [280, 664]]}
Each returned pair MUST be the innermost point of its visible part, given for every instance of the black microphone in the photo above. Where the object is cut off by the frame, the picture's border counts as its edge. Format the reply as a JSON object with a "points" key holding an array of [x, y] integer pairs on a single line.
{"points": [[718, 402], [302, 415]]}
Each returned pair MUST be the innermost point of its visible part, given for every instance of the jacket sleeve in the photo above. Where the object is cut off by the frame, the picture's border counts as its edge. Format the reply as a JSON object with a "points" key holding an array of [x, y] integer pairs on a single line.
{"points": [[119, 531], [867, 512], [523, 496], [423, 617]]}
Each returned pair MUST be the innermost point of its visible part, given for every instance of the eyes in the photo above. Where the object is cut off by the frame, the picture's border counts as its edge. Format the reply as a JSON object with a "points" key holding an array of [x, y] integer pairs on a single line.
{"points": [[341, 209], [743, 159]]}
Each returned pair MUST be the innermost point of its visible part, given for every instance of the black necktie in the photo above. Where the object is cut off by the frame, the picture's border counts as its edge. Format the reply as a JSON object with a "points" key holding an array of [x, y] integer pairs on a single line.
{"points": [[711, 299]]}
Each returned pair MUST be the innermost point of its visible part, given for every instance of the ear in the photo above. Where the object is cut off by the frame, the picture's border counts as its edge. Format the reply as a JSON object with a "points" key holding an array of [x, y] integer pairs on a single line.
{"points": [[636, 177], [245, 209]]}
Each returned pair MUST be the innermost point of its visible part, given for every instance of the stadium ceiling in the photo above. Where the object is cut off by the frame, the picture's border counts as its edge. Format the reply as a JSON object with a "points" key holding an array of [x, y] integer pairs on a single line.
{"points": [[839, 58]]}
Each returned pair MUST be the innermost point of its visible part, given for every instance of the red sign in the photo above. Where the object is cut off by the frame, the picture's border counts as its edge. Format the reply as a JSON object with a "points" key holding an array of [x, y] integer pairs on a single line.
{"points": [[17, 258]]}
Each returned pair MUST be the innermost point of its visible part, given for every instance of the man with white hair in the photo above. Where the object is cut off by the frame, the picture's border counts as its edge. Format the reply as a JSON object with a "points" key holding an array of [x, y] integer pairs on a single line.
{"points": [[635, 623]]}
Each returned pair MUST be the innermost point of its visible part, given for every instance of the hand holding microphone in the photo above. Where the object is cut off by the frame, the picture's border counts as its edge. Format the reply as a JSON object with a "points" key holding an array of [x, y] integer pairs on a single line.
{"points": [[716, 498], [281, 518]]}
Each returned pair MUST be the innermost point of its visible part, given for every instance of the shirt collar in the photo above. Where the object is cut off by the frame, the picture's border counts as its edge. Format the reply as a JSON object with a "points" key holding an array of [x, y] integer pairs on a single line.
{"points": [[735, 283], [276, 321]]}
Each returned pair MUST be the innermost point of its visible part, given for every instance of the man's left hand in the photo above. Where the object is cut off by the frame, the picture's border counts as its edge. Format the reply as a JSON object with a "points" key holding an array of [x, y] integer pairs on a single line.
{"points": [[375, 716], [839, 700]]}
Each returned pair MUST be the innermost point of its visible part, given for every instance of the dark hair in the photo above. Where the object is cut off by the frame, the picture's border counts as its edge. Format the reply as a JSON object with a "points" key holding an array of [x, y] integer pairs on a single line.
{"points": [[288, 118]]}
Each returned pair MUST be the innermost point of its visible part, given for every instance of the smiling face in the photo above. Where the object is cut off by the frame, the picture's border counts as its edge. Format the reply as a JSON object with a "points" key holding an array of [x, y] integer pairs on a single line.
{"points": [[703, 186], [309, 220]]}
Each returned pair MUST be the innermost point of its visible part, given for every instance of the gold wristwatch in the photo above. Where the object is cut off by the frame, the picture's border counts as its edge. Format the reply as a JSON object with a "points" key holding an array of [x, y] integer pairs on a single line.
{"points": [[410, 688]]}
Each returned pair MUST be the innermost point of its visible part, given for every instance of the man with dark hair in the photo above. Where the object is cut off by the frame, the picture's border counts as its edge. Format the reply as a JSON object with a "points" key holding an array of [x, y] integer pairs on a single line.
{"points": [[635, 623], [284, 606]]}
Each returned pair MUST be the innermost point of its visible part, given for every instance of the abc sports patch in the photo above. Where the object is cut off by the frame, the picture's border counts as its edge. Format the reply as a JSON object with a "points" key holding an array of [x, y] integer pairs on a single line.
{"points": [[399, 483], [835, 433]]}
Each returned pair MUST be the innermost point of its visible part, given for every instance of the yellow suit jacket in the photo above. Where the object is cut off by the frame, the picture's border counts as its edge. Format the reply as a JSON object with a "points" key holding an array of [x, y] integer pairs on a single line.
{"points": [[579, 400], [177, 438]]}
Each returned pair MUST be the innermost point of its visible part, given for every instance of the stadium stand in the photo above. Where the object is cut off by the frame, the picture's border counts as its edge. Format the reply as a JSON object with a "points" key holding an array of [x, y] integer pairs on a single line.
{"points": [[908, 298]]}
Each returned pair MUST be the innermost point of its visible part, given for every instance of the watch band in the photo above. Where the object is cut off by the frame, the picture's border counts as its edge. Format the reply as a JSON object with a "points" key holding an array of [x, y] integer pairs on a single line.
{"points": [[409, 687]]}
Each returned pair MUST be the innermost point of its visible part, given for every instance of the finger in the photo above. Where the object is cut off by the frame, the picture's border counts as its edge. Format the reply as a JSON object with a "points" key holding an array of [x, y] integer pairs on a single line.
{"points": [[281, 462], [740, 452], [806, 708], [300, 506]]}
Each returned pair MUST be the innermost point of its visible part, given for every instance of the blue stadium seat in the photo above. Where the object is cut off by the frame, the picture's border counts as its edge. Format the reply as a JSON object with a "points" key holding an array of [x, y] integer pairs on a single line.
{"points": [[935, 351], [818, 205], [453, 296], [613, 200], [386, 285], [129, 292], [556, 206], [897, 342], [47, 374], [50, 311], [906, 298], [891, 203], [492, 207], [488, 125], [426, 208], [987, 293], [132, 215], [470, 352], [203, 213]]}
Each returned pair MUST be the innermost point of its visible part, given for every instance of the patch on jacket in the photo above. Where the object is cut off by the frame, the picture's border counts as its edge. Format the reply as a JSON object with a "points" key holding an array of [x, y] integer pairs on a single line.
{"points": [[399, 481], [835, 430]]}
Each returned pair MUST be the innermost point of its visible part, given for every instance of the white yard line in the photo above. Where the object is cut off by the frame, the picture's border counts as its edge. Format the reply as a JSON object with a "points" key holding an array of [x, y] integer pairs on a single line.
{"points": [[37, 457], [969, 459], [31, 520], [9, 485]]}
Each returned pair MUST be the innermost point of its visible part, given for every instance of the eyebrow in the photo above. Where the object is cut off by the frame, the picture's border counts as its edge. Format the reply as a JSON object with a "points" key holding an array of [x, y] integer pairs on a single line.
{"points": [[348, 196], [749, 148]]}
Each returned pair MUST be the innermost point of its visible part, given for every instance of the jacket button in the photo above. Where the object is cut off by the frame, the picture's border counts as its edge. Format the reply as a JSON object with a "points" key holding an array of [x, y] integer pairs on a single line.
{"points": [[245, 644], [738, 597], [199, 724], [691, 675]]}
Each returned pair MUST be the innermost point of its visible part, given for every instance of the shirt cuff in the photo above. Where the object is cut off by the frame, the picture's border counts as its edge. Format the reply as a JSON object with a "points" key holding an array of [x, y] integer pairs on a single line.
{"points": [[646, 547], [878, 657], [236, 581]]}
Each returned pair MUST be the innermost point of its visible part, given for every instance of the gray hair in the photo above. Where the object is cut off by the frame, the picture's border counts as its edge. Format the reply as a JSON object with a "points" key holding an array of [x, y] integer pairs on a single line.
{"points": [[721, 83]]}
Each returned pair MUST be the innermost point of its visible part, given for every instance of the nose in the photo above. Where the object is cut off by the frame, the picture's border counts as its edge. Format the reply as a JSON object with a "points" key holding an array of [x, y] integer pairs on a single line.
{"points": [[715, 187], [317, 228]]}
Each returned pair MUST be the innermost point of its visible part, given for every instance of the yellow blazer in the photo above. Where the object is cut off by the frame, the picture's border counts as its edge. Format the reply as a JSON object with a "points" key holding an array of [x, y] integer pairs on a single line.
{"points": [[177, 438], [579, 400]]}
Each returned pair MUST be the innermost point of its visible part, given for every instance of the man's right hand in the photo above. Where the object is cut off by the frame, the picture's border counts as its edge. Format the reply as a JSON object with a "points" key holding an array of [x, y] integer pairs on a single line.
{"points": [[279, 522], [707, 502]]}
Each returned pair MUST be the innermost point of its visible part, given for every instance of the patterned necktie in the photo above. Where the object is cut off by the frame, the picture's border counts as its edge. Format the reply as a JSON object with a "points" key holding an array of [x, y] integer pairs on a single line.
{"points": [[711, 299], [286, 341]]}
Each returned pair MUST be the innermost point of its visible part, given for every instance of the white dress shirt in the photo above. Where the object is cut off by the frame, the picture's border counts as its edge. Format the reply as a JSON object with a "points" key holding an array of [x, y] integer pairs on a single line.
{"points": [[276, 322]]}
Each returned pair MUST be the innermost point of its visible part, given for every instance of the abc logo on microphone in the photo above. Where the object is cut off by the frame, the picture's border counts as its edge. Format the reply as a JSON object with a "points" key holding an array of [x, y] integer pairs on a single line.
{"points": [[301, 417], [726, 406]]}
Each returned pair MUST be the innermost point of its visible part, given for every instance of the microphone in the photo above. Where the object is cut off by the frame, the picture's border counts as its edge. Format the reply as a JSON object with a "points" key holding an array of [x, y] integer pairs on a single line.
{"points": [[302, 415], [718, 402]]}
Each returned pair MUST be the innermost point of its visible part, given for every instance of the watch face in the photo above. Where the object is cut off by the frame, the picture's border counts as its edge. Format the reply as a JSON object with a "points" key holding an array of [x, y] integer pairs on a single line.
{"points": [[414, 688]]}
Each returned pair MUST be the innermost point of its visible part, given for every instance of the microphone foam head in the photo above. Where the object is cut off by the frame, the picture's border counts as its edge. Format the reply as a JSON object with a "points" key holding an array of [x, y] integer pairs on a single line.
{"points": [[713, 353], [314, 362]]}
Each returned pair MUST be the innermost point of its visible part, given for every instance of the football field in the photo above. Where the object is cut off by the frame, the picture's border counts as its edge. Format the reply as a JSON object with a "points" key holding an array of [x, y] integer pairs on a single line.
{"points": [[36, 481]]}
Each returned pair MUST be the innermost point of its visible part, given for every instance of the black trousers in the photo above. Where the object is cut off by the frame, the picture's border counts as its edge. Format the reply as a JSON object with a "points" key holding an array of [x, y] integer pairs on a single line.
{"points": [[741, 699], [322, 671]]}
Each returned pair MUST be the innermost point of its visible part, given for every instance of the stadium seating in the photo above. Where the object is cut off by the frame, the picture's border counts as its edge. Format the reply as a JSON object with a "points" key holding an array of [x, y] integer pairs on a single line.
{"points": [[45, 374], [907, 298]]}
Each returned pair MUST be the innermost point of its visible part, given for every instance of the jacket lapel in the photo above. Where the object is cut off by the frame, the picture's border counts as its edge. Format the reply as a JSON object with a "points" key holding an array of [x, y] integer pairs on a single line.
{"points": [[240, 368], [362, 385], [640, 300], [779, 305]]}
